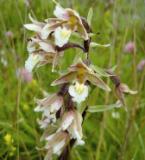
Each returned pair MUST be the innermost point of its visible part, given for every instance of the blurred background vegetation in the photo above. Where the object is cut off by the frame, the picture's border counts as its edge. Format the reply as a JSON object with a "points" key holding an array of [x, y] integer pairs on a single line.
{"points": [[110, 135]]}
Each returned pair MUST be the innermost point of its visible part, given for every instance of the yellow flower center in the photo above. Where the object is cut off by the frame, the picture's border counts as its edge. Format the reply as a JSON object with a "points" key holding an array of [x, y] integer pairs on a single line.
{"points": [[65, 33], [79, 88], [72, 22]]}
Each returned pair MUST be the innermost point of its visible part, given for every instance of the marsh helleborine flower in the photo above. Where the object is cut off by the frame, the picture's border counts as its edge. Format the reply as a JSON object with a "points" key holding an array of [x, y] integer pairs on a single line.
{"points": [[56, 143], [78, 75], [66, 22], [41, 53], [72, 122], [49, 107]]}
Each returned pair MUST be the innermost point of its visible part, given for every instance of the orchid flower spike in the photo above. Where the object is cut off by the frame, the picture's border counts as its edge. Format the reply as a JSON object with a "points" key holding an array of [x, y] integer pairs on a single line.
{"points": [[40, 53]]}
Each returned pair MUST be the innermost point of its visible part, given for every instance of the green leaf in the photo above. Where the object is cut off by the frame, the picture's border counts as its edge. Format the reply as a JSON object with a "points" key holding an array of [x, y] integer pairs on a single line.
{"points": [[102, 108], [90, 15], [94, 44], [55, 2], [100, 71], [113, 68], [92, 34]]}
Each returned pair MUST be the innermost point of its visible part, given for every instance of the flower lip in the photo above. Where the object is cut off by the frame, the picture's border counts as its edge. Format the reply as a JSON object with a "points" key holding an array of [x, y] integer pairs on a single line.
{"points": [[81, 73], [79, 92], [74, 20], [62, 36]]}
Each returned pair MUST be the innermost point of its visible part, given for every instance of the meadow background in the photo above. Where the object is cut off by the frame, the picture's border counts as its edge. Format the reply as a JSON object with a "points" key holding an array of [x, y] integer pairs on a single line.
{"points": [[107, 137]]}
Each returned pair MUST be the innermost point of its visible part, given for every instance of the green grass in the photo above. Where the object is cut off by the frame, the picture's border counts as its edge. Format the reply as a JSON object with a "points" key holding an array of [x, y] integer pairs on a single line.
{"points": [[106, 138]]}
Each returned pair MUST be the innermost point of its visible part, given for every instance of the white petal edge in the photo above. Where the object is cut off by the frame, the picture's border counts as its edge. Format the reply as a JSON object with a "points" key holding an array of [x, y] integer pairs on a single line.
{"points": [[33, 27]]}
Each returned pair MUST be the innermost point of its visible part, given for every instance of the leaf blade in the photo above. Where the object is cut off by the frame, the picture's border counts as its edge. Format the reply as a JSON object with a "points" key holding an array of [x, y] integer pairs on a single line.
{"points": [[102, 108]]}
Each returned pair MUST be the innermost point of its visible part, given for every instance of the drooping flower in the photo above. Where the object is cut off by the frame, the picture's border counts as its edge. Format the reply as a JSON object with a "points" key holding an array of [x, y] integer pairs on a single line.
{"points": [[72, 122], [51, 103], [49, 107], [121, 89], [56, 143], [45, 121], [36, 44], [40, 53]]}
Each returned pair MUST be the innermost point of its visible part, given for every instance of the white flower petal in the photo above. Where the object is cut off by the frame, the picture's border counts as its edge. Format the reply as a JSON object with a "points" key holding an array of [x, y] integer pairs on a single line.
{"points": [[38, 109], [62, 36], [33, 27], [31, 46], [46, 47], [68, 119], [80, 142], [79, 92], [32, 61], [60, 12], [58, 147], [46, 112], [55, 106], [77, 134], [45, 31], [44, 123], [50, 137]]}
